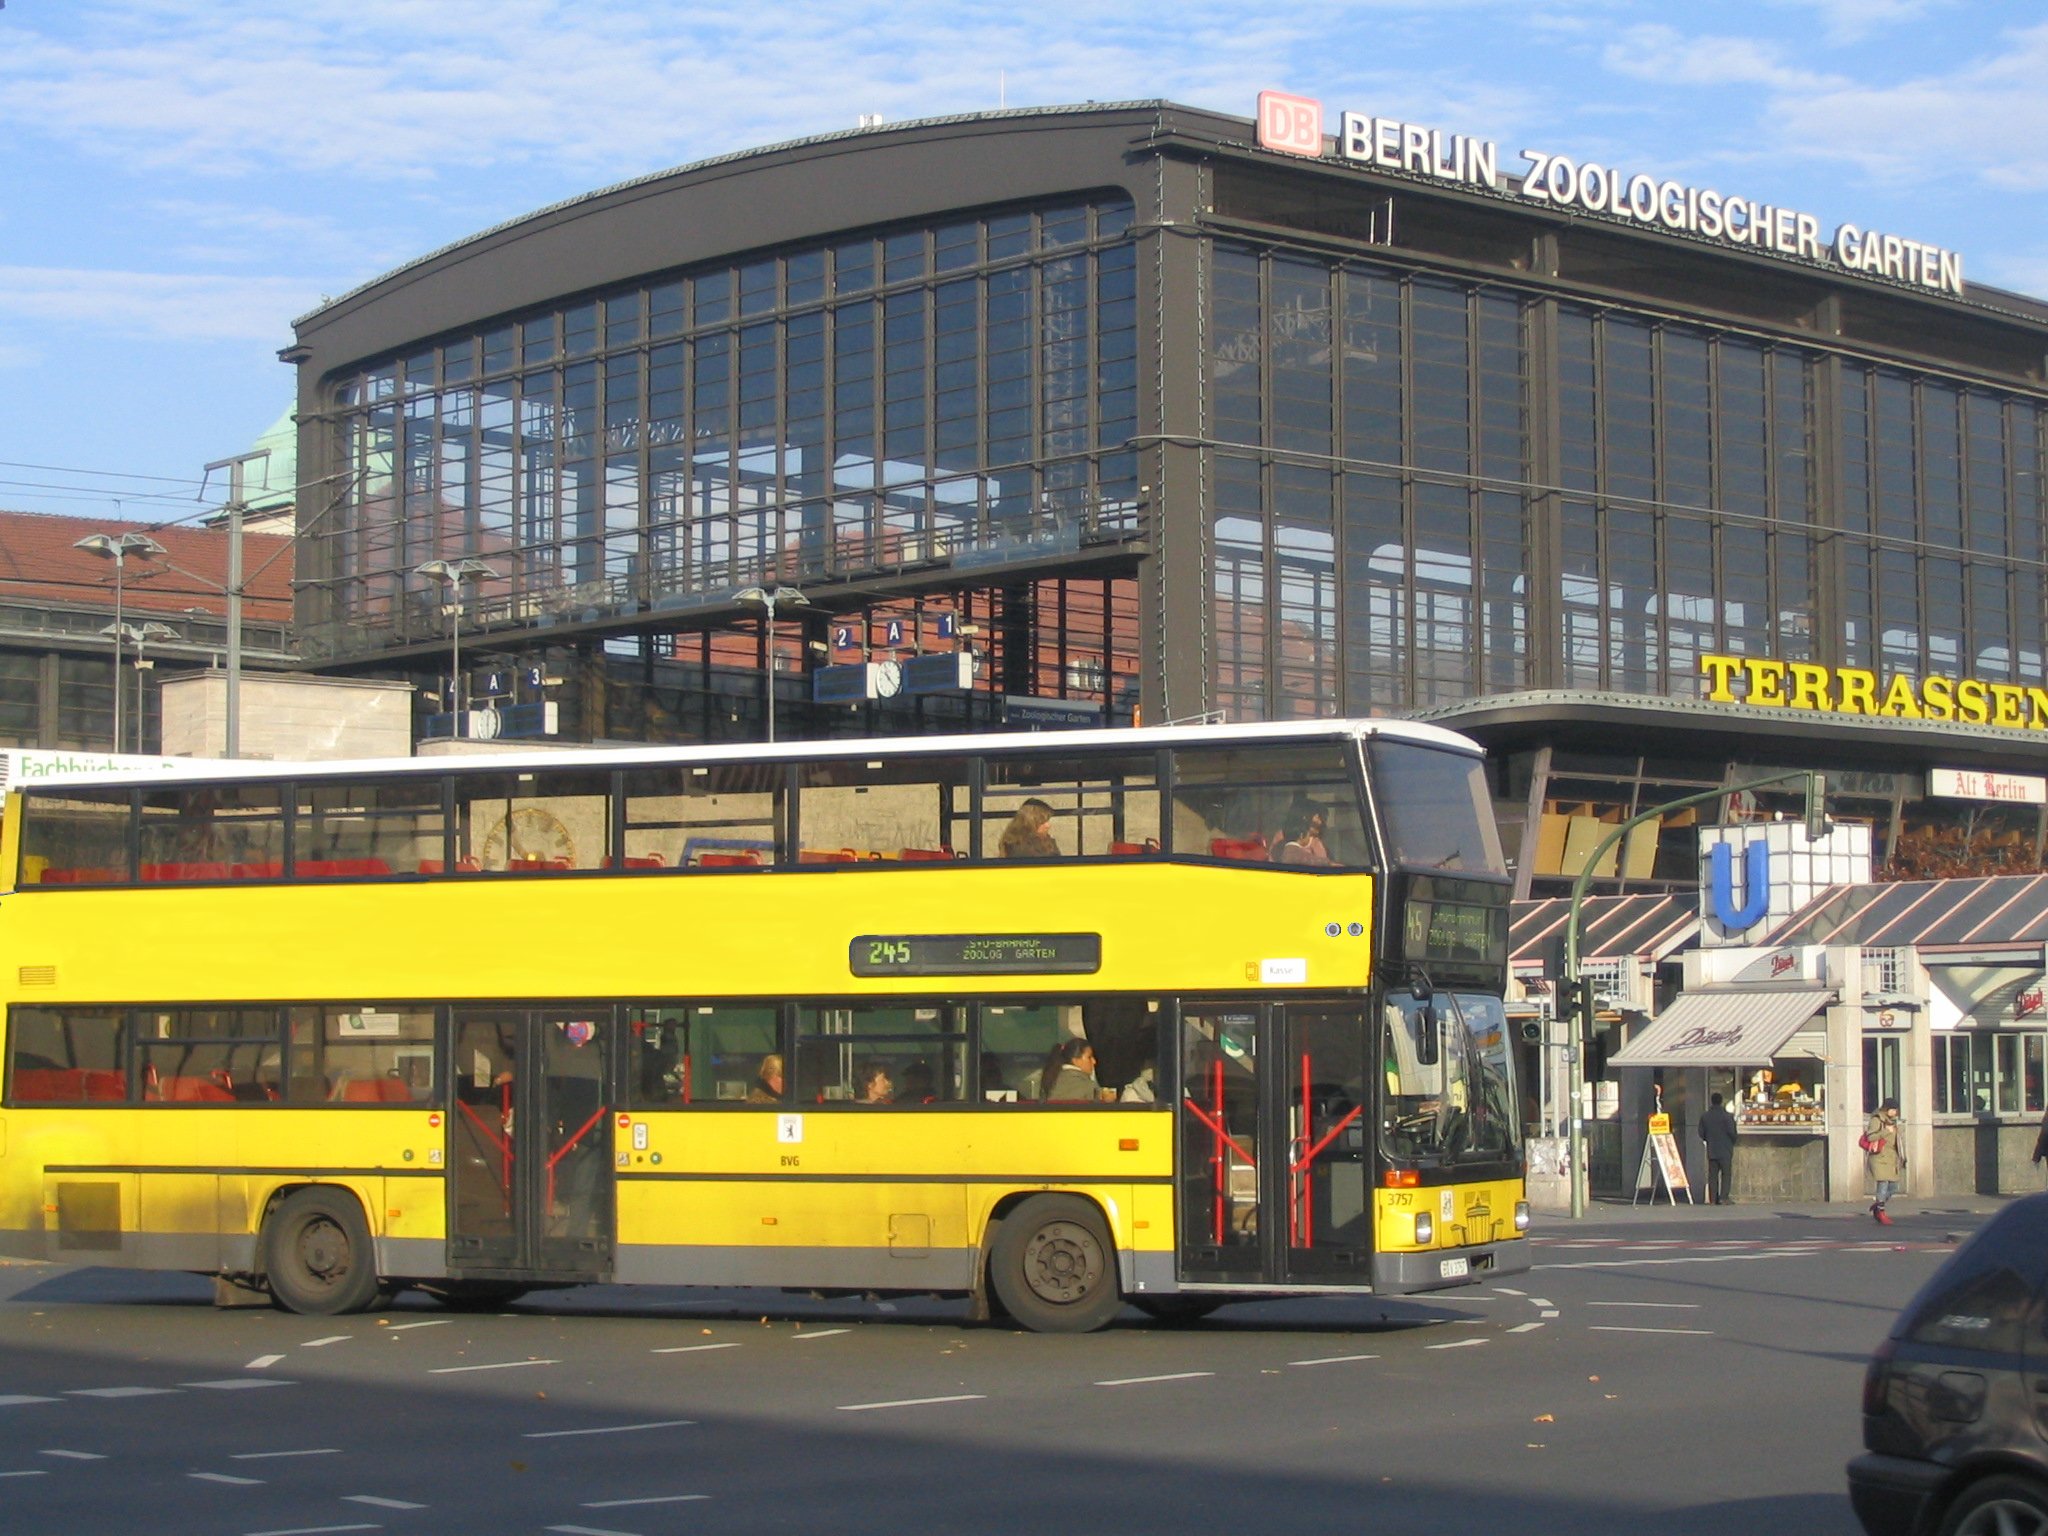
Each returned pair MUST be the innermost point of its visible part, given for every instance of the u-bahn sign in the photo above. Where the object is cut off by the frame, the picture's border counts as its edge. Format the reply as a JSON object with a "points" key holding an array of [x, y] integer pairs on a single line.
{"points": [[1294, 125]]}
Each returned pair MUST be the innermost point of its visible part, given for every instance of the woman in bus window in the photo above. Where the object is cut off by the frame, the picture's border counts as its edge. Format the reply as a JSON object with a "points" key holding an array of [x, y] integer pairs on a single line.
{"points": [[1069, 1075], [1026, 836], [871, 1084], [767, 1087], [1301, 840]]}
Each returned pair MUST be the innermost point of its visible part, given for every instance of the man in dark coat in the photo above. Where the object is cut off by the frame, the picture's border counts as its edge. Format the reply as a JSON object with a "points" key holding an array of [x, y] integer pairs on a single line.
{"points": [[1717, 1130]]}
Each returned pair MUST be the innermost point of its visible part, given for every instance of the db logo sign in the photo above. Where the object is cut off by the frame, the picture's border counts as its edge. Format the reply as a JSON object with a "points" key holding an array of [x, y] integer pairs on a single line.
{"points": [[1290, 124]]}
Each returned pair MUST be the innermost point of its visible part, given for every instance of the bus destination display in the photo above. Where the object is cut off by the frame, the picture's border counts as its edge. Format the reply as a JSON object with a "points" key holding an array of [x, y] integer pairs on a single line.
{"points": [[1453, 931], [976, 954]]}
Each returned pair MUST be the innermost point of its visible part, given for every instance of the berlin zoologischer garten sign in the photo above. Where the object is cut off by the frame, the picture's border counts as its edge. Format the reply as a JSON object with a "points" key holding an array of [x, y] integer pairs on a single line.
{"points": [[1294, 125]]}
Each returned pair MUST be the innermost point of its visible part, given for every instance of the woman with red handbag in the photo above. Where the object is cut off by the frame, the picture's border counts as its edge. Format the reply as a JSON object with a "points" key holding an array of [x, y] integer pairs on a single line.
{"points": [[1884, 1156]]}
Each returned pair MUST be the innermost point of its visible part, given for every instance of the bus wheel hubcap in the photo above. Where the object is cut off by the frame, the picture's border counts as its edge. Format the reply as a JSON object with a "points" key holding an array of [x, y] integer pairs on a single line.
{"points": [[1063, 1262], [323, 1251]]}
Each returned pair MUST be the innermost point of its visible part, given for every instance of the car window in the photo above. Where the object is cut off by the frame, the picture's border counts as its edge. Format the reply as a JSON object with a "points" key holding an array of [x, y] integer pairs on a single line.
{"points": [[1980, 1299]]}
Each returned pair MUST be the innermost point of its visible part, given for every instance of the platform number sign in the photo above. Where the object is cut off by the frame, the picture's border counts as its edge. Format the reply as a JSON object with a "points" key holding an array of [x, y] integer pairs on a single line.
{"points": [[845, 637], [949, 625], [895, 632]]}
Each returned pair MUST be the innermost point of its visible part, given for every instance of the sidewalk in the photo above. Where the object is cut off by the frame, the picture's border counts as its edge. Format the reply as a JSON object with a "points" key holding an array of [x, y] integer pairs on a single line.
{"points": [[1613, 1212]]}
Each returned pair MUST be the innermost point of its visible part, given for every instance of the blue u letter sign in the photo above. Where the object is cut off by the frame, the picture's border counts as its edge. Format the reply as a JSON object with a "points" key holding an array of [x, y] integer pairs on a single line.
{"points": [[1756, 885]]}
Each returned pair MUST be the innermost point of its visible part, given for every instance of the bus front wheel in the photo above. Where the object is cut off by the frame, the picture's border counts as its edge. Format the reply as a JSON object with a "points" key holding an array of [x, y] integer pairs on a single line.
{"points": [[1053, 1266], [318, 1255]]}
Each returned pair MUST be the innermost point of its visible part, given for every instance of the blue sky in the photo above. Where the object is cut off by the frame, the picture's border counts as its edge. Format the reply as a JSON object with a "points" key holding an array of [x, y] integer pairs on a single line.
{"points": [[179, 179]]}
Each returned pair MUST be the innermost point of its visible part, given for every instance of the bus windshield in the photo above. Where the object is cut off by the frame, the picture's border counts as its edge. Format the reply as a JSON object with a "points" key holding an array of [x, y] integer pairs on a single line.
{"points": [[1449, 1077], [1434, 809]]}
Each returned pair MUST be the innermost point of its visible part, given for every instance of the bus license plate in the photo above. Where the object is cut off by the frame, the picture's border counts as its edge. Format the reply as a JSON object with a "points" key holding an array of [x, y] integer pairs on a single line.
{"points": [[1450, 1269]]}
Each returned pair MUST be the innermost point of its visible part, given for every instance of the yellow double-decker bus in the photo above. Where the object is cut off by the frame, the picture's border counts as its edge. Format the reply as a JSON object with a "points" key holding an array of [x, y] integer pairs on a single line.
{"points": [[1172, 1017]]}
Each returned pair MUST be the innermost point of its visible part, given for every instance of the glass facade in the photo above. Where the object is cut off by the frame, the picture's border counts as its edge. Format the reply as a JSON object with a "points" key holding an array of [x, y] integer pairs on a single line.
{"points": [[861, 405]]}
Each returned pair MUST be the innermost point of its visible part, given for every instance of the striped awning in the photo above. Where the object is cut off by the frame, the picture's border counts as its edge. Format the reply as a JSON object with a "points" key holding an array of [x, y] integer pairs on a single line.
{"points": [[1724, 1027]]}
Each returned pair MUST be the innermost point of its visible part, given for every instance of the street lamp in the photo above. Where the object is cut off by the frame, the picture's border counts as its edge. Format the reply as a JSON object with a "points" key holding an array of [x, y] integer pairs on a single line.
{"points": [[138, 636], [117, 547], [768, 597], [455, 573]]}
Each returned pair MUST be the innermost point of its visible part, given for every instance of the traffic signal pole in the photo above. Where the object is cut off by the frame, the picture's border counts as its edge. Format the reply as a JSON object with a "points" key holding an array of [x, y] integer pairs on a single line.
{"points": [[1579, 989]]}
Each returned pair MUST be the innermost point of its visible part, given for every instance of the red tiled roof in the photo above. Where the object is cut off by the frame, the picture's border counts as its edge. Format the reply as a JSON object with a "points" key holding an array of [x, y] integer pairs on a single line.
{"points": [[38, 563]]}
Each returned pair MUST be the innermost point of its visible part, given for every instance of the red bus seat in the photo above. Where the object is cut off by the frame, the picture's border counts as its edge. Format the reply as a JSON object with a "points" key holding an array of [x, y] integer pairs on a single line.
{"points": [[746, 859], [376, 1090], [194, 1090], [334, 869], [827, 856], [1238, 848], [1132, 850]]}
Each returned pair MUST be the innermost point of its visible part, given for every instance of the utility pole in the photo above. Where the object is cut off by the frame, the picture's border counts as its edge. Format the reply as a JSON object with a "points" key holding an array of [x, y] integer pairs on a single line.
{"points": [[235, 508]]}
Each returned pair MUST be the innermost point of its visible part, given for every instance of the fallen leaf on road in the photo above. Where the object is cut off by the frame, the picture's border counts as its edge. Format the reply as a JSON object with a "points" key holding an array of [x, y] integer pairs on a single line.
{"points": [[1544, 1418]]}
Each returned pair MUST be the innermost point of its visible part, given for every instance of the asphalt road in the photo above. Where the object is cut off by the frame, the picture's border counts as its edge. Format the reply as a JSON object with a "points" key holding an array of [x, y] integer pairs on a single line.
{"points": [[1666, 1371]]}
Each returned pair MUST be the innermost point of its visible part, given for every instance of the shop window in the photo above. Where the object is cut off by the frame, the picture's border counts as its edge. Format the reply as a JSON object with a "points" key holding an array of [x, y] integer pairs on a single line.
{"points": [[852, 810], [532, 823], [362, 1054], [692, 1056], [350, 829], [212, 832], [1881, 1074], [65, 1056], [1040, 806], [1985, 1072], [209, 1055], [75, 837], [1251, 803], [1940, 840], [709, 816], [875, 1054]]}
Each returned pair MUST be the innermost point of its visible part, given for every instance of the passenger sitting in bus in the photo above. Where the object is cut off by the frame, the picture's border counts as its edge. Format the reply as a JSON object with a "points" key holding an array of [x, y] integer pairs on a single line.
{"points": [[1301, 839], [767, 1087], [871, 1084], [1069, 1075], [1141, 1089], [918, 1085], [1026, 836]]}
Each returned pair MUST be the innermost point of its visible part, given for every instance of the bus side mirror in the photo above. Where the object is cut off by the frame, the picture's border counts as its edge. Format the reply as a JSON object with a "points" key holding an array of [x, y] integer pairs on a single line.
{"points": [[1428, 1038]]}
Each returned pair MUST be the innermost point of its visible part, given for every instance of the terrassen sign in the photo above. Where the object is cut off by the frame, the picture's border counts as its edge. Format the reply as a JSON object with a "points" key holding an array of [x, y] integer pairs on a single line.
{"points": [[1294, 125], [1774, 684]]}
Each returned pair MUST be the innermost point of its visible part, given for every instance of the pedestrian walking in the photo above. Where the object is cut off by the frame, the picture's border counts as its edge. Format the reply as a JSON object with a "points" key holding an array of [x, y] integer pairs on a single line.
{"points": [[1717, 1130], [1884, 1156], [2041, 1143]]}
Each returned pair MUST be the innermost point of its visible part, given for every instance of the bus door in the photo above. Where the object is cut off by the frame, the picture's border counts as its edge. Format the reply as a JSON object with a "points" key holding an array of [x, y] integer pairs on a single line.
{"points": [[1273, 1144], [530, 1141]]}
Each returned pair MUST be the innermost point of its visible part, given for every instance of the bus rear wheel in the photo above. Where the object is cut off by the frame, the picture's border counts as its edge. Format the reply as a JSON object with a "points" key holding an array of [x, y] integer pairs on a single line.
{"points": [[318, 1255], [1053, 1267]]}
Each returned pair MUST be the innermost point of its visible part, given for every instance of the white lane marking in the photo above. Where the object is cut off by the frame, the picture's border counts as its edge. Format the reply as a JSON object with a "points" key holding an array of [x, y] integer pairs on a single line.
{"points": [[371, 1498], [315, 1530], [823, 1333], [1458, 1344], [502, 1365], [225, 1477], [667, 1498], [1139, 1381], [690, 1349], [38, 1472], [332, 1338], [74, 1455], [1524, 1327], [432, 1322], [1673, 1306], [1506, 1292], [913, 1402], [280, 1455], [1541, 1301], [586, 1530], [262, 1362], [609, 1429], [16, 1399], [124, 1392], [1468, 1322], [1691, 1258], [1333, 1360], [1550, 1311], [238, 1383], [1616, 1328]]}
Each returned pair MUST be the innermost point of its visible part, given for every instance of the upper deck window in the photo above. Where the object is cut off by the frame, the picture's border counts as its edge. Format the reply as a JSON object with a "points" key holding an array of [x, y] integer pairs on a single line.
{"points": [[75, 837], [1283, 802], [1434, 809]]}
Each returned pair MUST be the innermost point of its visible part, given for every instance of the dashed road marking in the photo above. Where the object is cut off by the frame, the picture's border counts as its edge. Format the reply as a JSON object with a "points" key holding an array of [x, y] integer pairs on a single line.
{"points": [[380, 1503], [1525, 1327], [502, 1365], [226, 1477], [910, 1402], [315, 1530], [332, 1338], [38, 1472], [326, 1450], [1541, 1301], [690, 1349], [1140, 1381], [667, 1498], [1617, 1328], [432, 1322], [586, 1530], [1333, 1360], [74, 1455], [822, 1333], [1671, 1306], [238, 1383], [262, 1362], [19, 1399], [1458, 1344], [124, 1392], [607, 1429], [1506, 1292]]}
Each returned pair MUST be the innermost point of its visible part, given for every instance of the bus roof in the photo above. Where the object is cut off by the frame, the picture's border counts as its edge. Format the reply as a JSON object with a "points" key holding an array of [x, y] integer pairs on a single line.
{"points": [[630, 756]]}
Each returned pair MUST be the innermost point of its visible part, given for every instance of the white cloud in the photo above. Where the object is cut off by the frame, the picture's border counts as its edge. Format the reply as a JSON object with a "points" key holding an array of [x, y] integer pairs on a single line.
{"points": [[1665, 56], [1848, 21], [12, 356], [157, 306]]}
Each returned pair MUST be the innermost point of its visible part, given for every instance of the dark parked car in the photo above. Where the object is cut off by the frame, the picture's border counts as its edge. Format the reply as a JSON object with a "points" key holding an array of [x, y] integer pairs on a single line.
{"points": [[1955, 1402]]}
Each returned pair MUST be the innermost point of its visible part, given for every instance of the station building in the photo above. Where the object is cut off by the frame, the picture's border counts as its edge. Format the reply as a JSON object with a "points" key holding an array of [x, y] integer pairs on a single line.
{"points": [[1131, 410]]}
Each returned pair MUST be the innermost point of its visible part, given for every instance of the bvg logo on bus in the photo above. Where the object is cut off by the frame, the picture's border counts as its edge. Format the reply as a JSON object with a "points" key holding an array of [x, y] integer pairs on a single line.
{"points": [[1291, 124]]}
